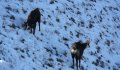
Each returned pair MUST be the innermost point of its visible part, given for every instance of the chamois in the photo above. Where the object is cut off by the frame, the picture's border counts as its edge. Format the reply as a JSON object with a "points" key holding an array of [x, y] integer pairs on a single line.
{"points": [[33, 18], [77, 50]]}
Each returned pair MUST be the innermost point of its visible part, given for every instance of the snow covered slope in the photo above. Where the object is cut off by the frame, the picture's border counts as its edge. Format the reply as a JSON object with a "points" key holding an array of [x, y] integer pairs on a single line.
{"points": [[63, 22]]}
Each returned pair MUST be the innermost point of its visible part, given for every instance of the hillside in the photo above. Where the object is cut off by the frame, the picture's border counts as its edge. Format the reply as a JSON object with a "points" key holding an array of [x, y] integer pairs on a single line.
{"points": [[63, 22]]}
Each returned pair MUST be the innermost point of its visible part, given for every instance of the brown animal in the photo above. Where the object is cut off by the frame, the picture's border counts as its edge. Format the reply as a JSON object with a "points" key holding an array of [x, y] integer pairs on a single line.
{"points": [[77, 51], [33, 18]]}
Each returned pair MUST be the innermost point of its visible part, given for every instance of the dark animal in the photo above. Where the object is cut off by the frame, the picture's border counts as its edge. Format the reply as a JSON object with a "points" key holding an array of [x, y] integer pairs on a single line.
{"points": [[77, 51], [33, 18]]}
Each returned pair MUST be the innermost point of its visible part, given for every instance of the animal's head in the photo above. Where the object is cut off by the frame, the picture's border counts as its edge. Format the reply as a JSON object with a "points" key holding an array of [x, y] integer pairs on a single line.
{"points": [[24, 25], [80, 42], [88, 43], [73, 48], [36, 9]]}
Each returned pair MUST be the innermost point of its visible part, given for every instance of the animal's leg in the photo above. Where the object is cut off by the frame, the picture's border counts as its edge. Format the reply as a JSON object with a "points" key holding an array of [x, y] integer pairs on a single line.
{"points": [[39, 19], [77, 63], [73, 61], [30, 27], [30, 30], [34, 28], [39, 24]]}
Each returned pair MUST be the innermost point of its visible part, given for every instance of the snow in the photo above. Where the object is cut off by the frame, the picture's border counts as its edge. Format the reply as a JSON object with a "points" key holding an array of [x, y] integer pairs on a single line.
{"points": [[61, 25]]}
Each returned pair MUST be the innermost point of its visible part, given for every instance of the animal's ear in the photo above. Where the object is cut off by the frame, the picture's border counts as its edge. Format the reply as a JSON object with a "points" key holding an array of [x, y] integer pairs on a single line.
{"points": [[88, 42], [80, 41], [37, 8]]}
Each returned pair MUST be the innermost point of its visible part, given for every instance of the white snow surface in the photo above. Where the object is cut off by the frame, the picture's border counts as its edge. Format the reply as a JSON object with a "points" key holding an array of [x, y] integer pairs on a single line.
{"points": [[63, 22]]}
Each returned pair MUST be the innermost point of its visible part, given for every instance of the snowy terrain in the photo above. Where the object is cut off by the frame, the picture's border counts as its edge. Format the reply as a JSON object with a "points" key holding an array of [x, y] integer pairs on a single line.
{"points": [[62, 23]]}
